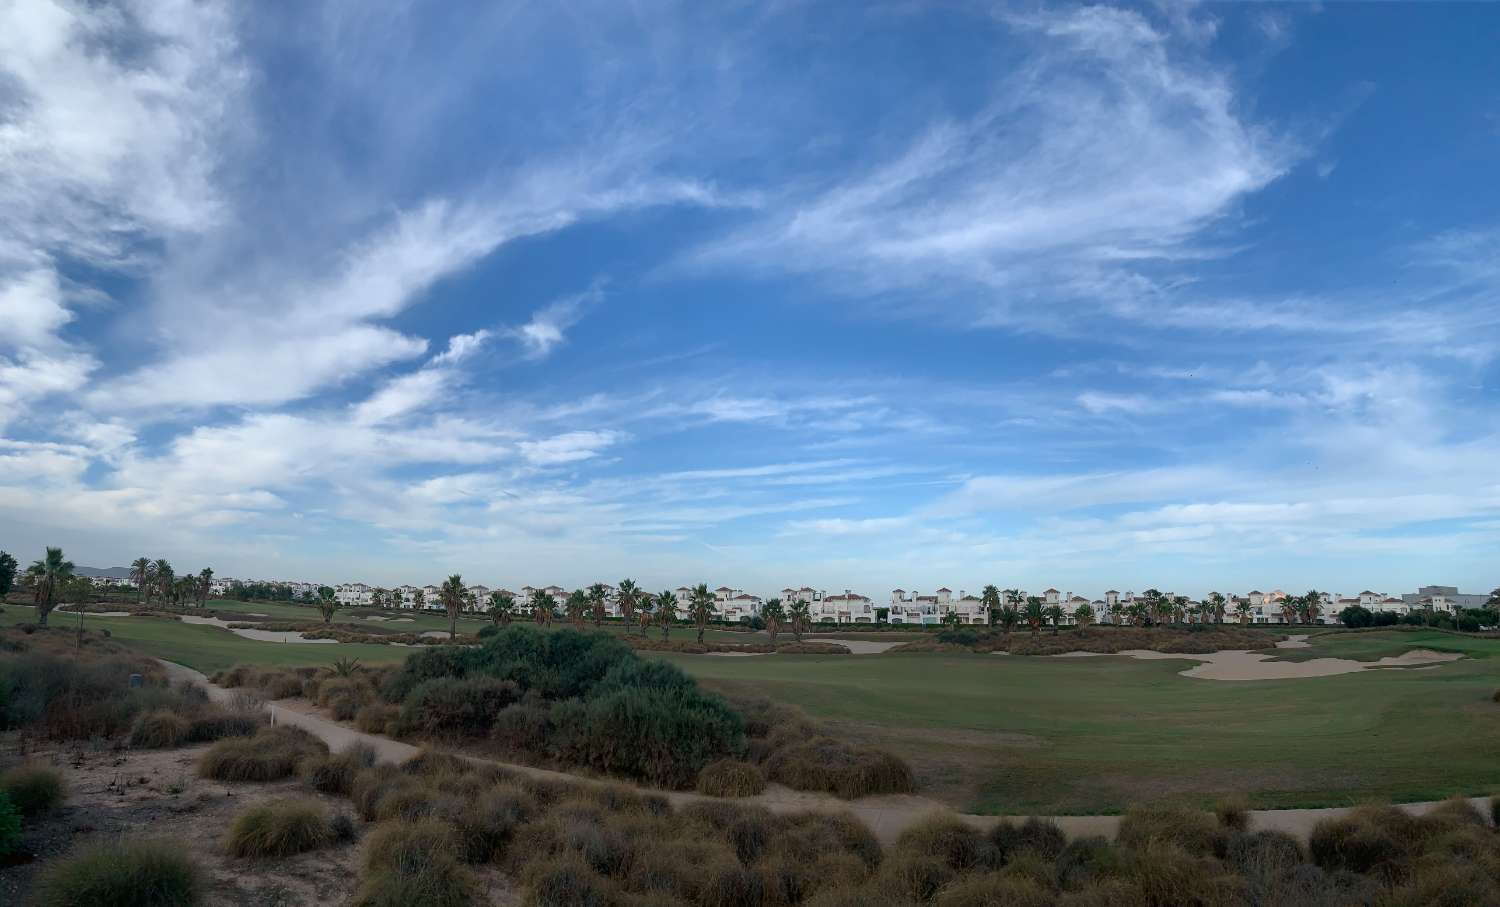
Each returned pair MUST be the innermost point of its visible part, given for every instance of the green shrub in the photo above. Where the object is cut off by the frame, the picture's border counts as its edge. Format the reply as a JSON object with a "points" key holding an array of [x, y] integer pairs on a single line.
{"points": [[452, 708], [731, 778], [1195, 832], [486, 825], [842, 769], [375, 717], [568, 882], [272, 754], [1085, 861], [279, 829], [335, 774], [1037, 835], [412, 864], [1366, 840], [948, 838], [160, 730], [216, 724], [123, 873], [33, 789], [10, 825]]}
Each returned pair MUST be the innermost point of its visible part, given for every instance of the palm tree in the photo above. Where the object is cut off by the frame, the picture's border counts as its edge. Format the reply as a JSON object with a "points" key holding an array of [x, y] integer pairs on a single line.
{"points": [[1242, 610], [1312, 606], [1035, 614], [577, 607], [452, 594], [627, 597], [140, 574], [393, 599], [164, 575], [1084, 615], [950, 620], [418, 599], [700, 608], [774, 615], [8, 567], [1056, 615], [666, 612], [205, 580], [541, 607], [596, 600], [55, 570], [1008, 618], [1179, 608], [35, 580], [502, 607], [799, 615], [327, 604], [991, 598], [1216, 603]]}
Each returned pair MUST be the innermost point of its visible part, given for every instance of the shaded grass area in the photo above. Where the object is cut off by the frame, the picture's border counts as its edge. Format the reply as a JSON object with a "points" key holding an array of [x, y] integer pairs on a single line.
{"points": [[1002, 734]]}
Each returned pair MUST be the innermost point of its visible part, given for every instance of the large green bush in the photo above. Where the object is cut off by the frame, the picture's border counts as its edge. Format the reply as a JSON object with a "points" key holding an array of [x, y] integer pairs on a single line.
{"points": [[447, 707]]}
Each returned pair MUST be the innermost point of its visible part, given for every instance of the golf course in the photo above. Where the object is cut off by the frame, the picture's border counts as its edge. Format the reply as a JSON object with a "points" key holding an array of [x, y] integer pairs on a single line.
{"points": [[991, 733]]}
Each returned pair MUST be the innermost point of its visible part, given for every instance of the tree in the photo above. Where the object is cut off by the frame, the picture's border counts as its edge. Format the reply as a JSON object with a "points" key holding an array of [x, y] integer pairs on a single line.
{"points": [[1311, 605], [1216, 603], [140, 574], [596, 601], [799, 615], [1056, 615], [627, 597], [418, 599], [1084, 615], [393, 599], [502, 607], [1035, 614], [1290, 607], [327, 604], [666, 612], [1179, 608], [991, 598], [452, 595], [1494, 601], [577, 607], [53, 572], [205, 581], [774, 615], [1008, 618], [950, 620], [164, 575], [700, 608], [8, 567], [541, 607], [1242, 610], [1356, 616]]}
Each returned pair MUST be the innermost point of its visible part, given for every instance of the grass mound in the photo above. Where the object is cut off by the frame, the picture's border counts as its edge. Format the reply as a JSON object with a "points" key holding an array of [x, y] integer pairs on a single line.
{"points": [[842, 769], [123, 873], [33, 789], [412, 864], [335, 774], [272, 754], [731, 778], [279, 829], [375, 718], [160, 729]]}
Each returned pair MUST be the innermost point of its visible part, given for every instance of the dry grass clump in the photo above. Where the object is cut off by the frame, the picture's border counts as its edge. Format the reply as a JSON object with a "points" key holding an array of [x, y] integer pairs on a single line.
{"points": [[375, 718], [268, 683], [167, 728], [946, 837], [160, 729], [33, 789], [1197, 833], [217, 723], [412, 864], [1195, 639], [342, 696], [842, 769], [272, 754], [123, 873], [731, 778], [279, 829], [335, 774]]}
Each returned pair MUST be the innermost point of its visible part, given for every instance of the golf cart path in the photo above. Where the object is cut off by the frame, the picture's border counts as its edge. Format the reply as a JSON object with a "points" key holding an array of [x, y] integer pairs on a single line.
{"points": [[887, 816]]}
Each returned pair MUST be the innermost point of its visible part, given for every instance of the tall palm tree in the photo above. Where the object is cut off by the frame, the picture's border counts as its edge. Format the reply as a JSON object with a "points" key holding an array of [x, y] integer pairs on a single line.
{"points": [[596, 602], [418, 600], [55, 572], [1216, 604], [1008, 617], [328, 605], [164, 574], [541, 607], [1311, 605], [1056, 615], [393, 599], [502, 607], [452, 595], [627, 597], [991, 598], [140, 574], [1179, 608], [1242, 610], [1084, 615], [577, 607], [666, 611], [36, 581], [1035, 614], [701, 608], [774, 615], [799, 615], [205, 580]]}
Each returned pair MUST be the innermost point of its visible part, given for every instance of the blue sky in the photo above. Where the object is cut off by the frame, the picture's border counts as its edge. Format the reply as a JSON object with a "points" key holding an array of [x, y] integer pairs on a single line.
{"points": [[846, 295]]}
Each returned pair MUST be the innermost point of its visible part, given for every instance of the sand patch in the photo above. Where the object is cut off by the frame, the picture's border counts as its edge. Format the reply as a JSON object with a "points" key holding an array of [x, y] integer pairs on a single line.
{"points": [[1078, 655], [95, 613], [736, 654], [1236, 664], [860, 646], [294, 636]]}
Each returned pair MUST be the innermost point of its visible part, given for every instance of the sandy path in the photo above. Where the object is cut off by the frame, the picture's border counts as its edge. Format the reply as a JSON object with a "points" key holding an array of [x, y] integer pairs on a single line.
{"points": [[261, 635], [886, 816]]}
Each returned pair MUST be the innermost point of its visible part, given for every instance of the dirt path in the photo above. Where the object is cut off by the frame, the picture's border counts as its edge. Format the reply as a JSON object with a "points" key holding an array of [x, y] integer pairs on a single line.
{"points": [[887, 816]]}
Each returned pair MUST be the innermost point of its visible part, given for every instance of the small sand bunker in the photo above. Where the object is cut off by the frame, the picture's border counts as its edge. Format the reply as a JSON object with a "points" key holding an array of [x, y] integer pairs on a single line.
{"points": [[259, 635], [736, 654], [1242, 665], [95, 613], [859, 646]]}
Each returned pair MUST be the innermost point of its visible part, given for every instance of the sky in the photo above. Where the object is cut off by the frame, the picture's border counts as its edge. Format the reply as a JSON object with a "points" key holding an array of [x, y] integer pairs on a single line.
{"points": [[855, 295]]}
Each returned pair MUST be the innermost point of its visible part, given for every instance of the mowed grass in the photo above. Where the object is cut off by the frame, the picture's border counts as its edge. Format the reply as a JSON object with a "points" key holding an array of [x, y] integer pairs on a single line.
{"points": [[1002, 734]]}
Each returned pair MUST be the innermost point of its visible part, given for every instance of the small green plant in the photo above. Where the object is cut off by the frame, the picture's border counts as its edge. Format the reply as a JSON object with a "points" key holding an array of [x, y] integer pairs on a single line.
{"points": [[279, 829], [123, 873], [33, 789], [346, 667]]}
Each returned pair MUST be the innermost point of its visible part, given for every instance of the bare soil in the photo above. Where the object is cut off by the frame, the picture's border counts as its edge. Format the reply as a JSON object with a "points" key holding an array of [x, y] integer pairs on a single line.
{"points": [[143, 793]]}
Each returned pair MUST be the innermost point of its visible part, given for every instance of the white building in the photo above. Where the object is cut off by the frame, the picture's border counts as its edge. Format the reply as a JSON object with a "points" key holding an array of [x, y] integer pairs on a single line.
{"points": [[353, 595], [844, 608]]}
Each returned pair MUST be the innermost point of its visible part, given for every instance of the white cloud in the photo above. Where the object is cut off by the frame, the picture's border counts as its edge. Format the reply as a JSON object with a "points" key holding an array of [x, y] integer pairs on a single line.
{"points": [[569, 447]]}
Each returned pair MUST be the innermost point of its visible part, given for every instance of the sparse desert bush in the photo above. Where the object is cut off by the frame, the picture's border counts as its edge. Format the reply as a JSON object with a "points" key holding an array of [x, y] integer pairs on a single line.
{"points": [[485, 825], [272, 754], [731, 778], [33, 789], [1368, 840], [279, 829], [904, 878], [123, 873], [1233, 812], [375, 717], [412, 864], [994, 889], [452, 708], [217, 723], [1037, 835], [842, 769], [1086, 861], [948, 838], [334, 774], [1195, 832], [160, 729], [82, 695], [567, 881]]}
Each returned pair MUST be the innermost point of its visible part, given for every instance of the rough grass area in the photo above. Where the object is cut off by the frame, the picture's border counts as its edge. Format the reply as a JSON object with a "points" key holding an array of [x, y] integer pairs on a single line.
{"points": [[335, 774], [691, 647], [1192, 639], [731, 778], [123, 873], [279, 829], [791, 749], [33, 789], [273, 753]]}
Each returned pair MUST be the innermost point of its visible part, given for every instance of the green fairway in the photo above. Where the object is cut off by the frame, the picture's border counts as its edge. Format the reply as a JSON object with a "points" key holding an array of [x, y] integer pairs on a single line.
{"points": [[1004, 734], [995, 733]]}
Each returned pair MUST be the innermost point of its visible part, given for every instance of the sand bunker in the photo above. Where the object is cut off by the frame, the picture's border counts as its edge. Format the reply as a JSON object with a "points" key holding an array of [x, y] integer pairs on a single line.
{"points": [[260, 635], [736, 654], [95, 613], [1242, 665], [859, 646]]}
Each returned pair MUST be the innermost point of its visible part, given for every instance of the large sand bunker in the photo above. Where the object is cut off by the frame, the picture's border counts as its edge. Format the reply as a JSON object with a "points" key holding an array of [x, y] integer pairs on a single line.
{"points": [[1238, 664], [260, 635]]}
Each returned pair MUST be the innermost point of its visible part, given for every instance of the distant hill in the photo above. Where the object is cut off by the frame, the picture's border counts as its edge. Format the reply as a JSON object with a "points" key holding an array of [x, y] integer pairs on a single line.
{"points": [[113, 572]]}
